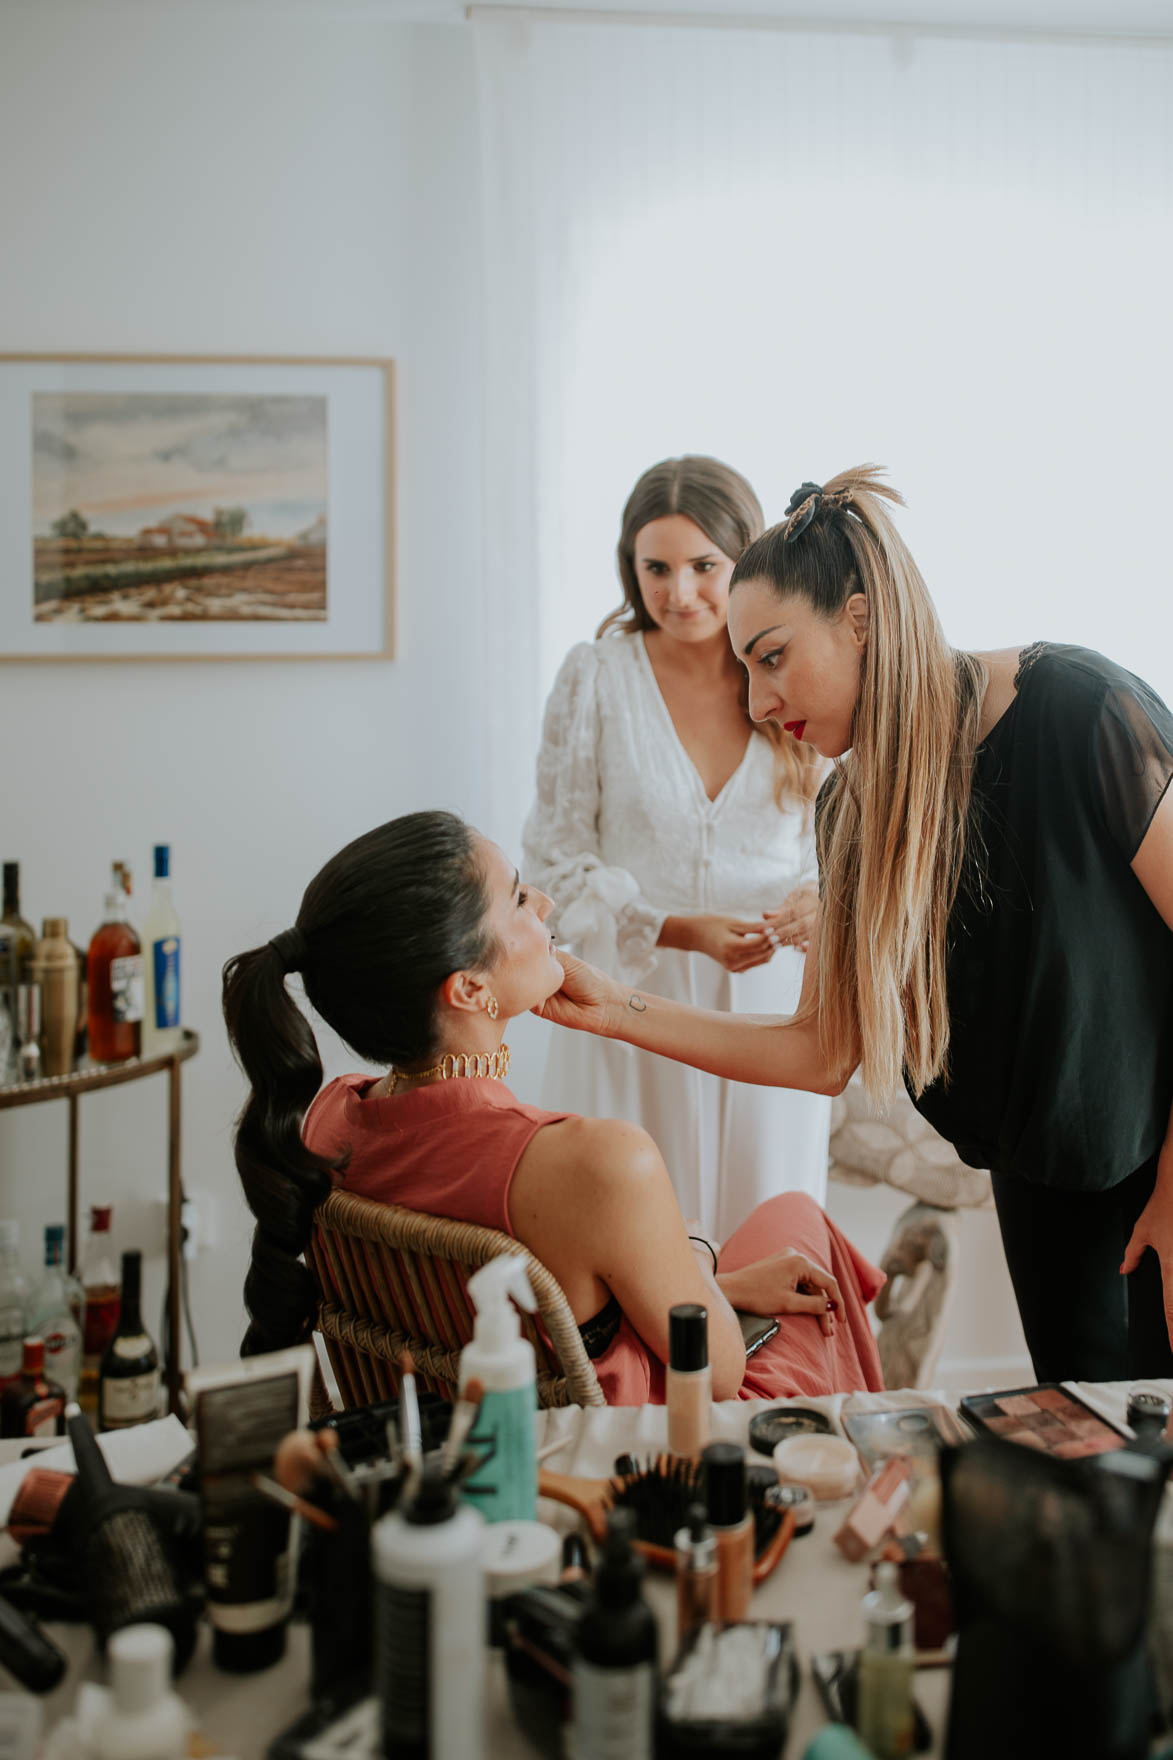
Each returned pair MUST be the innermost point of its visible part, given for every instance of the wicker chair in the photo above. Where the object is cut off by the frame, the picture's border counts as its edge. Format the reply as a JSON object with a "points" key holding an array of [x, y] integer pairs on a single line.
{"points": [[391, 1280]]}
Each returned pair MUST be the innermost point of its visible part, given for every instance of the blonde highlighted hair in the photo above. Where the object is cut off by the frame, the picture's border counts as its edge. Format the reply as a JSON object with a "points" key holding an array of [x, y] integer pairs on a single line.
{"points": [[894, 816], [718, 499]]}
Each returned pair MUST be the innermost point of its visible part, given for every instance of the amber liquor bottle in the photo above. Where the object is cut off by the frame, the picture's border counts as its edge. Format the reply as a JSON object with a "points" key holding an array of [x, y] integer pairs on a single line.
{"points": [[129, 1381], [32, 1405], [98, 1276], [114, 965]]}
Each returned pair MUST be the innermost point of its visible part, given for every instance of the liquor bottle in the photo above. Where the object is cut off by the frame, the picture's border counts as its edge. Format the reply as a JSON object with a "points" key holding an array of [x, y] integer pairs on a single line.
{"points": [[13, 1300], [129, 1381], [55, 968], [16, 936], [32, 1404], [16, 946], [162, 1024], [56, 1313], [103, 1296], [115, 967]]}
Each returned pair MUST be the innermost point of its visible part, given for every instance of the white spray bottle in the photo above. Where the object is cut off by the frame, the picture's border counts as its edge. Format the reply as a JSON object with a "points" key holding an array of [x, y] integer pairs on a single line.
{"points": [[505, 1485]]}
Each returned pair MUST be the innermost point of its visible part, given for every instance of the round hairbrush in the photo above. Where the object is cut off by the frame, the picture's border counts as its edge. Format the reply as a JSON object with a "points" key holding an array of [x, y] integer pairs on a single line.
{"points": [[660, 1491]]}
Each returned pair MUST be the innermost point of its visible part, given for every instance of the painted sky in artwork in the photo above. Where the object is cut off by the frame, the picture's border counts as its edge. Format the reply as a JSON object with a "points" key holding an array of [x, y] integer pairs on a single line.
{"points": [[127, 459]]}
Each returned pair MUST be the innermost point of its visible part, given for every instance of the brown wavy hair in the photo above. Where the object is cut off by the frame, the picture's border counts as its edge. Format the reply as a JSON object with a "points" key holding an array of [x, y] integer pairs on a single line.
{"points": [[718, 499], [894, 816]]}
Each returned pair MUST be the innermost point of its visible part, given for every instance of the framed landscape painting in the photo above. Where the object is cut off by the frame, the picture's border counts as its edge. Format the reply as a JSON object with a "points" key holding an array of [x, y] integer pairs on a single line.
{"points": [[184, 507]]}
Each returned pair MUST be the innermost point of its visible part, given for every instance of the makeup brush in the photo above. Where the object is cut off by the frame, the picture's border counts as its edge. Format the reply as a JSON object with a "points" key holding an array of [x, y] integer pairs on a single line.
{"points": [[464, 1416], [337, 1465], [409, 1414], [297, 1506]]}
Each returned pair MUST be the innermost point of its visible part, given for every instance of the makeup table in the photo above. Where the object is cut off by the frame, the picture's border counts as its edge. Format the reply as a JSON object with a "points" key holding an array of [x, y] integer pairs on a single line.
{"points": [[814, 1586]]}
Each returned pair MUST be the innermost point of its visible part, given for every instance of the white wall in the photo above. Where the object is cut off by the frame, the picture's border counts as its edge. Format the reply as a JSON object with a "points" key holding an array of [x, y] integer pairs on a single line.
{"points": [[237, 184], [255, 182]]}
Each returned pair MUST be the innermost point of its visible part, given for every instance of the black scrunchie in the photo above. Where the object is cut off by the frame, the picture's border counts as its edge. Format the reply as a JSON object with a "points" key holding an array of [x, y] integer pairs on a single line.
{"points": [[290, 948], [808, 497]]}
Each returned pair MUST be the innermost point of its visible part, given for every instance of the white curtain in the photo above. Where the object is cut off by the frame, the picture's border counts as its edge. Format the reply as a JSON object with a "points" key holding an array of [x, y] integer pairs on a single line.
{"points": [[802, 251]]}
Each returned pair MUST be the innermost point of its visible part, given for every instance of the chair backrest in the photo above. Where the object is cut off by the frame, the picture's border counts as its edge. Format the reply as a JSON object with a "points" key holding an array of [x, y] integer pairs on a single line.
{"points": [[392, 1280]]}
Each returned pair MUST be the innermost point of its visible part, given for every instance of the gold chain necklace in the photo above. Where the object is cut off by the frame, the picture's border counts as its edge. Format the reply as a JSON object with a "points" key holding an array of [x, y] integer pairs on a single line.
{"points": [[493, 1064]]}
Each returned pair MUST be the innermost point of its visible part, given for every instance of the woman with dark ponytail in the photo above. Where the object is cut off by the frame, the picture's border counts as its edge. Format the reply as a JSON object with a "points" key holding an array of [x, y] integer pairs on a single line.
{"points": [[417, 943]]}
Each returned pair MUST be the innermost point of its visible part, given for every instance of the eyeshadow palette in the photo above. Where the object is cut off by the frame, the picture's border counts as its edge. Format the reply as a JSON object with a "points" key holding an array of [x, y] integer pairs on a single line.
{"points": [[1047, 1418]]}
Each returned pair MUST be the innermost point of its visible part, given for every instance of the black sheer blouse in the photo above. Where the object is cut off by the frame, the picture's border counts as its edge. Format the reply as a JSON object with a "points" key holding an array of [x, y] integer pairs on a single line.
{"points": [[1059, 967]]}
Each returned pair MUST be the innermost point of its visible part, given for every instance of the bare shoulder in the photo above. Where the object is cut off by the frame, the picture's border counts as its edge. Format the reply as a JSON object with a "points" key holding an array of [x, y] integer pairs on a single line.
{"points": [[1002, 668], [596, 1148]]}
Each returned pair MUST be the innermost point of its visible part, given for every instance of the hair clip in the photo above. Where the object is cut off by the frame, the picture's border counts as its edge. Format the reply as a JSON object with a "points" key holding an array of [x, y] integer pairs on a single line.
{"points": [[804, 504]]}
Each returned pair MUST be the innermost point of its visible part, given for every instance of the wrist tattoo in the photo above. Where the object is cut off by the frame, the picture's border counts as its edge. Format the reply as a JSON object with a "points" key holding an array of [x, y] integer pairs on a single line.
{"points": [[638, 1003]]}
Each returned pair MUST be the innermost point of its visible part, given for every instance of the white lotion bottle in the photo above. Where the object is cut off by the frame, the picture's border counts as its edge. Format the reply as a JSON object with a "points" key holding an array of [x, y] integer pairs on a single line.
{"points": [[143, 1719], [505, 1485], [430, 1624]]}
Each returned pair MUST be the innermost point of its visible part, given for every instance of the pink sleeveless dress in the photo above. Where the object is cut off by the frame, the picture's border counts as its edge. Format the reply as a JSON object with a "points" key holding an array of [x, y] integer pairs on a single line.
{"points": [[451, 1149]]}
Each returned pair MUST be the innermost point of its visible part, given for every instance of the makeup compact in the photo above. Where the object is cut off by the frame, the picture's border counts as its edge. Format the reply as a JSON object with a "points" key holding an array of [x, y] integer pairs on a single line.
{"points": [[770, 1428], [1047, 1418]]}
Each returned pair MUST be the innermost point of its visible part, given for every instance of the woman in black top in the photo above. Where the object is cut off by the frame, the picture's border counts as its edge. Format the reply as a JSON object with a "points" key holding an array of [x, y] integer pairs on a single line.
{"points": [[996, 871]]}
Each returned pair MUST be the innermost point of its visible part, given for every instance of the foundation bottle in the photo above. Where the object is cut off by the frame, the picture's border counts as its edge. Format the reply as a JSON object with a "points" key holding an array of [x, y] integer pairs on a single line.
{"points": [[55, 968], [696, 1572], [732, 1523], [690, 1379]]}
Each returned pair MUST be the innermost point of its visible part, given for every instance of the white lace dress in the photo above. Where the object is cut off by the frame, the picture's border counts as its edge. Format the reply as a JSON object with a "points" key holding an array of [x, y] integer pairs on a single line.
{"points": [[622, 834]]}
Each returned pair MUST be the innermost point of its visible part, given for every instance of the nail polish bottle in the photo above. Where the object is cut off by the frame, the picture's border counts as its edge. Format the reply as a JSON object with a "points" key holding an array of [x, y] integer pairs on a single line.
{"points": [[689, 1391], [732, 1522]]}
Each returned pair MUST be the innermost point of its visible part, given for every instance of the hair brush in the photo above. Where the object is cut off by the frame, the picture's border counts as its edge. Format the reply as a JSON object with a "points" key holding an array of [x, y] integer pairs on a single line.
{"points": [[660, 1491]]}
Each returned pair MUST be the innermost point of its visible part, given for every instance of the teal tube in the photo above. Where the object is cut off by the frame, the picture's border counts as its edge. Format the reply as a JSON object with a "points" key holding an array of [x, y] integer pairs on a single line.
{"points": [[835, 1741]]}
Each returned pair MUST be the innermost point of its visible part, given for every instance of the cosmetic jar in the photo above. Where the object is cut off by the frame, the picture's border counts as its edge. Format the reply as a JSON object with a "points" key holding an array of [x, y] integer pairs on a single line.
{"points": [[797, 1498], [516, 1555], [1148, 1412], [770, 1428], [827, 1465], [689, 1387]]}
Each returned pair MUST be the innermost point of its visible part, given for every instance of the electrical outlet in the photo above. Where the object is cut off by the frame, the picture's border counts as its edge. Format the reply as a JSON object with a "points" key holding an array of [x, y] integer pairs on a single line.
{"points": [[189, 1228], [197, 1224]]}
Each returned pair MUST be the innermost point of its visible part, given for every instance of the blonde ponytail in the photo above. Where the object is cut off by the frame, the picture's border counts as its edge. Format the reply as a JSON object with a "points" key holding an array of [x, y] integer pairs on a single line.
{"points": [[893, 818]]}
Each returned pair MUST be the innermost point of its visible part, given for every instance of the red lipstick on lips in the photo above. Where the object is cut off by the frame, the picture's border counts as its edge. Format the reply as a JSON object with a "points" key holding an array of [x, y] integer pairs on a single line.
{"points": [[797, 728]]}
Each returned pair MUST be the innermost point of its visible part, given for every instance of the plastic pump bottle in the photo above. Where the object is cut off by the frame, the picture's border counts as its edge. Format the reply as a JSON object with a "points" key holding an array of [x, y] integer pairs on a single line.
{"points": [[144, 1719], [505, 1485]]}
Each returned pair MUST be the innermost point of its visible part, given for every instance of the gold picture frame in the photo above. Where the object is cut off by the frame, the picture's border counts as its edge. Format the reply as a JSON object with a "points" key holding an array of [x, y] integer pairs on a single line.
{"points": [[197, 507]]}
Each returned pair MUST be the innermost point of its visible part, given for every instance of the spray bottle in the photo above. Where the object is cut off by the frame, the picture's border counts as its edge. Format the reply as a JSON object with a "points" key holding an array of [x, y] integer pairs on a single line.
{"points": [[505, 1485]]}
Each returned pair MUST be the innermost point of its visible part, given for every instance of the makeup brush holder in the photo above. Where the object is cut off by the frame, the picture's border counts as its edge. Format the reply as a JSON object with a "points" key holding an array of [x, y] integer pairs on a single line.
{"points": [[1050, 1569]]}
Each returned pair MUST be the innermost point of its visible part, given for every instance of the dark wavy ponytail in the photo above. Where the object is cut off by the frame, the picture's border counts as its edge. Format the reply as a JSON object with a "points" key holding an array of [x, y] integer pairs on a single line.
{"points": [[380, 928]]}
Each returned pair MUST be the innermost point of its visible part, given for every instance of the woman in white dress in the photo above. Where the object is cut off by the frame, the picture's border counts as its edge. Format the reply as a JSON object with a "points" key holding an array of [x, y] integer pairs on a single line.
{"points": [[676, 840]]}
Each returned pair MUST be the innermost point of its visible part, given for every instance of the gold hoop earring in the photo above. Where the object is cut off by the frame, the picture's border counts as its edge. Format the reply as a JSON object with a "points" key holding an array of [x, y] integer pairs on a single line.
{"points": [[491, 1008]]}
